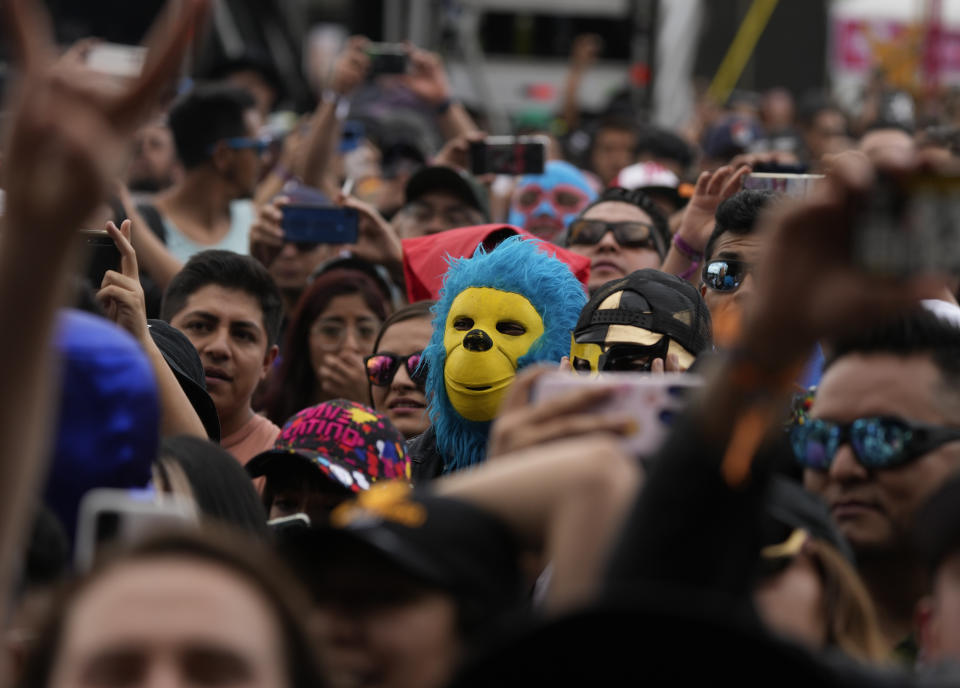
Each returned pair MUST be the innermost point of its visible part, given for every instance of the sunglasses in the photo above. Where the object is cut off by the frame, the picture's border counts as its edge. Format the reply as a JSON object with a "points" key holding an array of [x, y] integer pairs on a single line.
{"points": [[627, 234], [725, 275], [383, 367], [633, 357], [877, 442]]}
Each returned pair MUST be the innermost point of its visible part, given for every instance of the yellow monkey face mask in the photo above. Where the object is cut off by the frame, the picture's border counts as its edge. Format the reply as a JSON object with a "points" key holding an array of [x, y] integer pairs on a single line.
{"points": [[486, 333]]}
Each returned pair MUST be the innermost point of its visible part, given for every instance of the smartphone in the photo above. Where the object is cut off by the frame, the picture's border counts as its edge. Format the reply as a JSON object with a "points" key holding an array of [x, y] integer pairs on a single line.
{"points": [[102, 254], [796, 185], [313, 224], [654, 401], [388, 58], [511, 155], [910, 225], [125, 517], [114, 59]]}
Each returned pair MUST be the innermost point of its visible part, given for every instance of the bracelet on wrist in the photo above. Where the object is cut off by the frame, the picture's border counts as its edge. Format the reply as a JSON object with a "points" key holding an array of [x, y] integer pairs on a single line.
{"points": [[686, 250], [442, 107]]}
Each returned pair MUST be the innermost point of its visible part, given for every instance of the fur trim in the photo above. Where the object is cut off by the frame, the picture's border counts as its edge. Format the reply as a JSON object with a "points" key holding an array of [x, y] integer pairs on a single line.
{"points": [[516, 265]]}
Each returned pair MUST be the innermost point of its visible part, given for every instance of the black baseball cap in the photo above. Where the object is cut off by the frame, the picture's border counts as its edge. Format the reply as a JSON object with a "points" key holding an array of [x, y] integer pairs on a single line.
{"points": [[441, 542], [441, 178], [185, 363], [643, 307], [789, 507]]}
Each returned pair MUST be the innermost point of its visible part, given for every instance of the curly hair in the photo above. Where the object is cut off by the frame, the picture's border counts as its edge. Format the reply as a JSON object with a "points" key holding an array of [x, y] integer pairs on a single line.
{"points": [[517, 265]]}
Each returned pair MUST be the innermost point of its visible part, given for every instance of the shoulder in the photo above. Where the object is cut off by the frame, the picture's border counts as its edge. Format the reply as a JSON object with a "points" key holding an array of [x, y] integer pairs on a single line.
{"points": [[426, 463]]}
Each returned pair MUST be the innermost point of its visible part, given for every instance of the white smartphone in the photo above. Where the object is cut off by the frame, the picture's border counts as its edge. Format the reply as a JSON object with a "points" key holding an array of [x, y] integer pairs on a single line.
{"points": [[114, 59], [652, 400], [126, 516]]}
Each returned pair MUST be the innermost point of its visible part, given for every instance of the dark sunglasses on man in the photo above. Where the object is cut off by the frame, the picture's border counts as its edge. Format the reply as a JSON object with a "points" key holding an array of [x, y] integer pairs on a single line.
{"points": [[382, 368], [725, 275], [878, 442], [628, 234]]}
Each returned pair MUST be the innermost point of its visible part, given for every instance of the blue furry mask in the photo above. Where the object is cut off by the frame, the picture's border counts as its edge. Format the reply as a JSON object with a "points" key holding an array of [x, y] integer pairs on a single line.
{"points": [[497, 313]]}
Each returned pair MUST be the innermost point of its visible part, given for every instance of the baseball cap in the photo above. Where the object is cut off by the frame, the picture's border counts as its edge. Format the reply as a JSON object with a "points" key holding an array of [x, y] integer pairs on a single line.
{"points": [[442, 542], [789, 508], [441, 178], [654, 177], [185, 363], [641, 309], [108, 427], [351, 444]]}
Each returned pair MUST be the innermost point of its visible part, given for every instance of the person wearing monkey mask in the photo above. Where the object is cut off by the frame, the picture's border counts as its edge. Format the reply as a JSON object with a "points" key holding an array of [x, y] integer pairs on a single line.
{"points": [[498, 311]]}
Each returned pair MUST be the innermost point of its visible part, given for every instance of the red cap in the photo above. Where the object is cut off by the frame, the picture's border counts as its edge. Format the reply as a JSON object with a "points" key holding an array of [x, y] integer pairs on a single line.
{"points": [[425, 258]]}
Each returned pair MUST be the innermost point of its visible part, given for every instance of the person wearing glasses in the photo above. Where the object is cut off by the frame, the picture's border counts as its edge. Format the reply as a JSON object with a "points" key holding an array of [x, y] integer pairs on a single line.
{"points": [[731, 252], [882, 435], [215, 131], [621, 232], [394, 368], [334, 327]]}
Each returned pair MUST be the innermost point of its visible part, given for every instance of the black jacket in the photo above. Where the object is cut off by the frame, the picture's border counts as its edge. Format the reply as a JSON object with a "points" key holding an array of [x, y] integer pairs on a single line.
{"points": [[426, 462]]}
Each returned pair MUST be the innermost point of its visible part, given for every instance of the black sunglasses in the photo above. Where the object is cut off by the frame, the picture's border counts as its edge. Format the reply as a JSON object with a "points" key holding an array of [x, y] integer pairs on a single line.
{"points": [[725, 275], [383, 367], [627, 234], [877, 442]]}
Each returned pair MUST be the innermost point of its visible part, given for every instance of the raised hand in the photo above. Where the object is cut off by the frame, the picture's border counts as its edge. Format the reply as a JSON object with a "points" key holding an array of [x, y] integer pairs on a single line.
{"points": [[121, 295], [69, 131]]}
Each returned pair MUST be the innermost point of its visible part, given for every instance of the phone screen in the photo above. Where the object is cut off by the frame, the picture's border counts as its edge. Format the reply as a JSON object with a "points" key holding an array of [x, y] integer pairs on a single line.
{"points": [[387, 58], [510, 155], [305, 224]]}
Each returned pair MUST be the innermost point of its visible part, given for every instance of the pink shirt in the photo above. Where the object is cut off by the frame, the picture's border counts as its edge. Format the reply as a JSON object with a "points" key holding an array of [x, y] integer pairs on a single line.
{"points": [[256, 435]]}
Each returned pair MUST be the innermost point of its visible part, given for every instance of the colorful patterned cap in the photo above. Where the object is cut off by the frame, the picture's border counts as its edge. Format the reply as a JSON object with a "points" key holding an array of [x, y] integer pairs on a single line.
{"points": [[351, 444]]}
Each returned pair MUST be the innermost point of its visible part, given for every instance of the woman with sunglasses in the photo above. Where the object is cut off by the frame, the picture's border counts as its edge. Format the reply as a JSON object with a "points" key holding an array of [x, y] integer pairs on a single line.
{"points": [[334, 327], [621, 232], [394, 371]]}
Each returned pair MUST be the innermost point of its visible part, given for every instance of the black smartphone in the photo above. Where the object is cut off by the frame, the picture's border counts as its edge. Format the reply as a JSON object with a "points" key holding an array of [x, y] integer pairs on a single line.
{"points": [[102, 255], [388, 58], [910, 225], [312, 224], [781, 168], [513, 155]]}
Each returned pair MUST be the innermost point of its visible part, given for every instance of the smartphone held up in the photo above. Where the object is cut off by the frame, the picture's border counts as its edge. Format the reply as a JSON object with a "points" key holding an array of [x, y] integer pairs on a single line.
{"points": [[312, 224], [910, 225], [509, 155], [654, 401]]}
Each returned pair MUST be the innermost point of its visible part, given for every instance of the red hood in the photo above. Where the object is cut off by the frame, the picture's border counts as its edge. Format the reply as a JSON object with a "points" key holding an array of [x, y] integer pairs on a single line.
{"points": [[425, 258]]}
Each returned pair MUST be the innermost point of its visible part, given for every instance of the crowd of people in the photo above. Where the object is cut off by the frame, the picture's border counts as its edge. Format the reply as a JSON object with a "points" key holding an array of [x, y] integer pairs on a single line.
{"points": [[632, 417]]}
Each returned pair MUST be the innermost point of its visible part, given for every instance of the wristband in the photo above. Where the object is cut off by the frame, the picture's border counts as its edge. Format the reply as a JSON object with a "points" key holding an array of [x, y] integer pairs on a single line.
{"points": [[689, 272], [686, 249], [330, 96], [442, 107]]}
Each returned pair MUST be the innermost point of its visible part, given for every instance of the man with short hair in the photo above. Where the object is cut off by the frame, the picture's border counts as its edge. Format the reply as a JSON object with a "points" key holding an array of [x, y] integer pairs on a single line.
{"points": [[613, 146], [230, 309], [436, 199], [882, 436], [620, 232], [734, 248], [215, 130]]}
